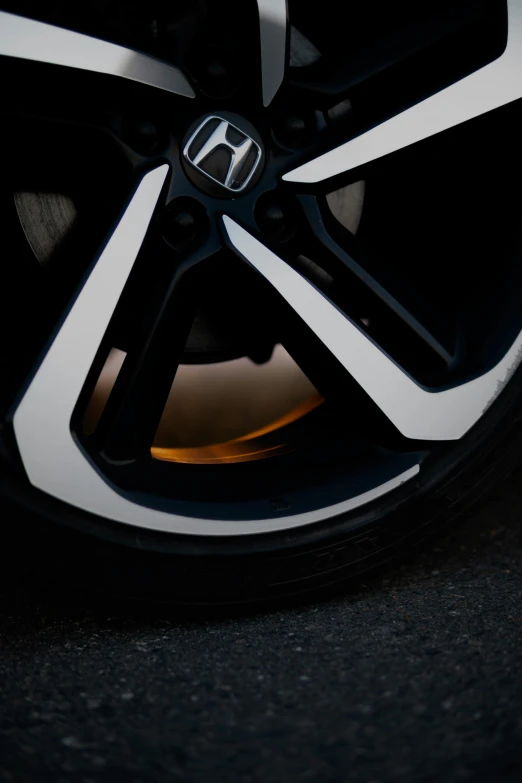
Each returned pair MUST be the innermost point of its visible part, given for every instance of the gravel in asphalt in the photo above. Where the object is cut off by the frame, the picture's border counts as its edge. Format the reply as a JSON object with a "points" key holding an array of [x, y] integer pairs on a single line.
{"points": [[414, 676]]}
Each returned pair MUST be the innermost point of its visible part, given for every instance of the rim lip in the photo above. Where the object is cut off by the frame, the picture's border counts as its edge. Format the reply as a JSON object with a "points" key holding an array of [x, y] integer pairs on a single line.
{"points": [[162, 522]]}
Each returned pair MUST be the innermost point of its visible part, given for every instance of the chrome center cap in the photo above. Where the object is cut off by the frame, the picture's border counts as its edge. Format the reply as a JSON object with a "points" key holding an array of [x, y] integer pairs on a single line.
{"points": [[224, 153]]}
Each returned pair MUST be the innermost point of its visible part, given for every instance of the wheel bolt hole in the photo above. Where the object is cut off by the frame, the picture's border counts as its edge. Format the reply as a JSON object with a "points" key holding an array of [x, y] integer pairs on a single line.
{"points": [[184, 223], [294, 130], [215, 76], [216, 72], [275, 217], [143, 135], [183, 228], [272, 219]]}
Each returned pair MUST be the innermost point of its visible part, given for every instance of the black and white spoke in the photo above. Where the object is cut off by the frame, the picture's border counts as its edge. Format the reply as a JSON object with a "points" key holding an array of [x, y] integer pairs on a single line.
{"points": [[273, 28], [43, 417], [418, 413], [28, 39], [492, 86]]}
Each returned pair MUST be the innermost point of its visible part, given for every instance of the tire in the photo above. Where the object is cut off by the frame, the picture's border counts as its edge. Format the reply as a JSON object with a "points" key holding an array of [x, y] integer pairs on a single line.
{"points": [[154, 567], [403, 385]]}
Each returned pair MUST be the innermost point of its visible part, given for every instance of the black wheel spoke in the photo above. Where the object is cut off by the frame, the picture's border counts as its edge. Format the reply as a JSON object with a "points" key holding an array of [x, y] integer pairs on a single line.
{"points": [[335, 245], [371, 45], [479, 92], [131, 416]]}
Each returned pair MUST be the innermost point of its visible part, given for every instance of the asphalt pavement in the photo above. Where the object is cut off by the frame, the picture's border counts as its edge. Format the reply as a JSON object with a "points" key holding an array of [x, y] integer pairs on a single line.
{"points": [[414, 676]]}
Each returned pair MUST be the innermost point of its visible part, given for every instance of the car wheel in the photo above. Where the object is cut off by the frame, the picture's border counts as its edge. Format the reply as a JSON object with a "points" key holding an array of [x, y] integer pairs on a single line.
{"points": [[261, 286]]}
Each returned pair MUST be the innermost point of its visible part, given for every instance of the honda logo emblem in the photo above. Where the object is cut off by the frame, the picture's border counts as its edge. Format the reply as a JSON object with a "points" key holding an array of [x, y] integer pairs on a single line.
{"points": [[223, 153]]}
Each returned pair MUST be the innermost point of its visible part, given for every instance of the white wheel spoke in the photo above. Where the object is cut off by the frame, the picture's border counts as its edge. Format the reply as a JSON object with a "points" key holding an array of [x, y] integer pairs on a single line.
{"points": [[41, 422], [492, 86], [417, 412], [32, 40], [273, 24]]}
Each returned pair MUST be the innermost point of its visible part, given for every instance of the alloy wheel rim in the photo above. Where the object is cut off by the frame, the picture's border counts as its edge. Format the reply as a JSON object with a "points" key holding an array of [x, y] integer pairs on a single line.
{"points": [[58, 459]]}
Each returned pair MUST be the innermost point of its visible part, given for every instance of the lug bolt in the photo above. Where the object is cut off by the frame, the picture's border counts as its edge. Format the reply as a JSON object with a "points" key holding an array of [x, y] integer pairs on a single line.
{"points": [[142, 135], [216, 72], [184, 223], [276, 216], [294, 126], [271, 219], [292, 130], [181, 228]]}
